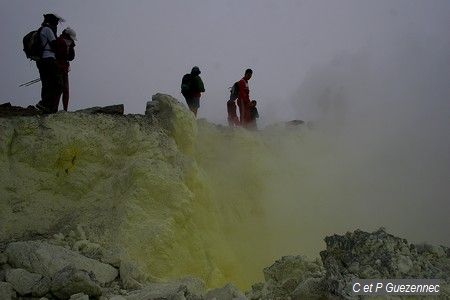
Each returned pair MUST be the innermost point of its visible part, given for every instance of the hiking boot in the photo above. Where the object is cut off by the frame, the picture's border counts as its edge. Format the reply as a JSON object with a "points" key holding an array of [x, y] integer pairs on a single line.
{"points": [[41, 107]]}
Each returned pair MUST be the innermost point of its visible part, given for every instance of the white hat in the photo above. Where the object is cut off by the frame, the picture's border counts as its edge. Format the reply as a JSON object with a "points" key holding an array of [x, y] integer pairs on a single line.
{"points": [[70, 32]]}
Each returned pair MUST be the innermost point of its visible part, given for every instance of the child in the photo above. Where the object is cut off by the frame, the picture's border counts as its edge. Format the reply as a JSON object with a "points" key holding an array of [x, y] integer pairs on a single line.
{"points": [[253, 115]]}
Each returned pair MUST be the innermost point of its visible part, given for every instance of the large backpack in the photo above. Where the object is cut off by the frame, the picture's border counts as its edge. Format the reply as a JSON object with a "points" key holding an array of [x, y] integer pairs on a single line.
{"points": [[234, 92], [32, 45], [186, 83]]}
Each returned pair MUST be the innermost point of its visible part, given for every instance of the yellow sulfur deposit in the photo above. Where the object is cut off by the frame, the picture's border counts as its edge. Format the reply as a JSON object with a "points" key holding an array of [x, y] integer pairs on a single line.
{"points": [[167, 196], [141, 186]]}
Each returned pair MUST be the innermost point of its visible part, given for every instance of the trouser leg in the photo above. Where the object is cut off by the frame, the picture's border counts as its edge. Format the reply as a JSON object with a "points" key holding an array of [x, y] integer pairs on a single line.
{"points": [[45, 82], [65, 90], [56, 84], [244, 112], [51, 84]]}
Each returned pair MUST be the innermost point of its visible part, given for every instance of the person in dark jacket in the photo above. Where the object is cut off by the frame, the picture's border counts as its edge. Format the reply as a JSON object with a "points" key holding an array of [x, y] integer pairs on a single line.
{"points": [[192, 88], [243, 100], [233, 120], [48, 71], [65, 53]]}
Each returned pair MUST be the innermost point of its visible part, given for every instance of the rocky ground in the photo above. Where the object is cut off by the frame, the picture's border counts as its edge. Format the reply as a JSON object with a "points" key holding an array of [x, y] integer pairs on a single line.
{"points": [[8, 110], [71, 267]]}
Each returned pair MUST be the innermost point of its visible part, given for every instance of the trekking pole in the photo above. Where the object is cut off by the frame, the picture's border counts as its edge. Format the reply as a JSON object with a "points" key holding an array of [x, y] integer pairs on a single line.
{"points": [[30, 82]]}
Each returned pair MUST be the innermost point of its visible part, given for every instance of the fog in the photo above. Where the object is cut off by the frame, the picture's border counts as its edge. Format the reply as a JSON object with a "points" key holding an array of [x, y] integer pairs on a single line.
{"points": [[371, 78], [385, 112]]}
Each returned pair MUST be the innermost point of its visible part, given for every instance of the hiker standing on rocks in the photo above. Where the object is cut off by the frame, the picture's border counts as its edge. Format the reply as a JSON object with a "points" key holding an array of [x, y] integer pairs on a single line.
{"points": [[65, 53], [243, 101], [48, 71], [191, 87], [233, 120]]}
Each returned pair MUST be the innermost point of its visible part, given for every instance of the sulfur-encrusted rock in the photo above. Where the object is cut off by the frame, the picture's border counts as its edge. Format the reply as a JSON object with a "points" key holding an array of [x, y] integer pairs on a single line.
{"points": [[228, 292], [428, 249], [25, 282], [186, 288], [47, 260], [70, 281], [310, 288], [41, 288], [378, 254], [284, 276], [3, 269], [357, 254], [7, 110], [175, 118], [296, 267], [88, 249], [109, 110], [117, 297], [7, 292], [3, 258], [130, 275], [79, 296]]}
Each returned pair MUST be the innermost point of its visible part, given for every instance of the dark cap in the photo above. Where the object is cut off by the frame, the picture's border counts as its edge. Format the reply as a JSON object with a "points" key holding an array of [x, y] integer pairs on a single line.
{"points": [[195, 70], [53, 18]]}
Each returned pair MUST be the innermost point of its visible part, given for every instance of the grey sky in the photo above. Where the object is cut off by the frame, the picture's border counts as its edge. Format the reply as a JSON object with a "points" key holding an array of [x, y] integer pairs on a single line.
{"points": [[129, 50]]}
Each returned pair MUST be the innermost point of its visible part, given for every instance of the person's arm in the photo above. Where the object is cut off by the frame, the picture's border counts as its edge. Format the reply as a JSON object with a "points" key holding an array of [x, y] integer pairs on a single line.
{"points": [[60, 49], [201, 86], [71, 54]]}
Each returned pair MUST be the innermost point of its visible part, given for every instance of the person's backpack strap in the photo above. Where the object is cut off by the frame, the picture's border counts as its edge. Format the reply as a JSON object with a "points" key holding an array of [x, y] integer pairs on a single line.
{"points": [[47, 42], [234, 93], [71, 52]]}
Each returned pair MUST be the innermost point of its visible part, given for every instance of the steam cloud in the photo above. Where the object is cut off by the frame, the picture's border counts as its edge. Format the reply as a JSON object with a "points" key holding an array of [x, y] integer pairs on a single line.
{"points": [[385, 113]]}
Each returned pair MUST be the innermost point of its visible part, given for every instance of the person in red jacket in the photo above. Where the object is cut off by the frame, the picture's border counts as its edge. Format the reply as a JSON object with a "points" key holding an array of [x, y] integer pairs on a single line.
{"points": [[243, 101], [65, 53]]}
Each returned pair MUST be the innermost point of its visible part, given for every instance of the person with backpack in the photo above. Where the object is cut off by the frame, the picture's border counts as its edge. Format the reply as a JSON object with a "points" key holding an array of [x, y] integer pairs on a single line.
{"points": [[64, 53], [46, 64], [233, 120], [243, 100], [191, 87]]}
